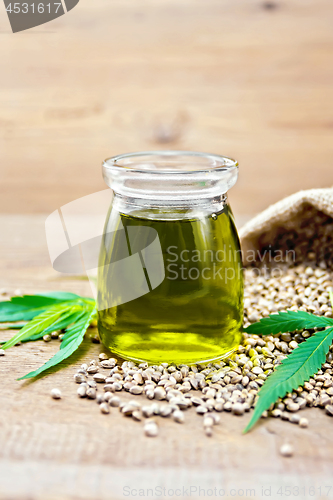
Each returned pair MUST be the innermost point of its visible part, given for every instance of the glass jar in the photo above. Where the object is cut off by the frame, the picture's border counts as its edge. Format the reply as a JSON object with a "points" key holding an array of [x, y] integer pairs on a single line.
{"points": [[170, 280]]}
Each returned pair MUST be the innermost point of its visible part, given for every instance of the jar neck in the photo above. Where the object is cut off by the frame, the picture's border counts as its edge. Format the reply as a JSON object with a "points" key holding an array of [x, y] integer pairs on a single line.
{"points": [[163, 209], [170, 177]]}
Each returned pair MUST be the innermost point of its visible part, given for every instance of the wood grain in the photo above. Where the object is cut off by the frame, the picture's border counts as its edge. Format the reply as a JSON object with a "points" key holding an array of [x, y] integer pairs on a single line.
{"points": [[68, 450], [232, 77], [252, 80]]}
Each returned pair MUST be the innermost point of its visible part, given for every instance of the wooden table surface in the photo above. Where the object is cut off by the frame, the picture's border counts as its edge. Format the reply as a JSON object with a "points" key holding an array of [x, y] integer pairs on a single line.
{"points": [[68, 450]]}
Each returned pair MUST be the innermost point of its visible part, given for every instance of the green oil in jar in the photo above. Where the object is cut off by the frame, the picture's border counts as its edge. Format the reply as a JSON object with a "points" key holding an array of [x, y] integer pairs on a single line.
{"points": [[195, 314]]}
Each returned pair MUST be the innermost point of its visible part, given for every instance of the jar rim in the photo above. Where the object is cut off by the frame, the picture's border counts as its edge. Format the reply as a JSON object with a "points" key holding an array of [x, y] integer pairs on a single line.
{"points": [[170, 161]]}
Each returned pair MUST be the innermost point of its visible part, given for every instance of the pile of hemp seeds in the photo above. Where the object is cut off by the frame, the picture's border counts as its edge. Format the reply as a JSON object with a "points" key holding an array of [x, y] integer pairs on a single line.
{"points": [[229, 385]]}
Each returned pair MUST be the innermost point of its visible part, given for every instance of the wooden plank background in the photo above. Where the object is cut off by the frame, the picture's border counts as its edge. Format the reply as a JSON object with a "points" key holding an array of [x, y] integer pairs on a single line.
{"points": [[247, 78]]}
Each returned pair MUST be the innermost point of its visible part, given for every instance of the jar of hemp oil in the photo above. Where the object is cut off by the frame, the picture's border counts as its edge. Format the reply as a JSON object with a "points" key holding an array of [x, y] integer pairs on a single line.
{"points": [[170, 281]]}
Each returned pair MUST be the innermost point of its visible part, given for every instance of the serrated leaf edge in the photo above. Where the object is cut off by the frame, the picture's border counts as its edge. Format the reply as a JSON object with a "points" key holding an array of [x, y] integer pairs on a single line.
{"points": [[287, 321], [67, 350], [34, 326], [260, 407]]}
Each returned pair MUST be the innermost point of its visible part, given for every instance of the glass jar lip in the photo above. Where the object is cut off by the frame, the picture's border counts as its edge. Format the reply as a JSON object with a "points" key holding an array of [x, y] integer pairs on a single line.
{"points": [[204, 162]]}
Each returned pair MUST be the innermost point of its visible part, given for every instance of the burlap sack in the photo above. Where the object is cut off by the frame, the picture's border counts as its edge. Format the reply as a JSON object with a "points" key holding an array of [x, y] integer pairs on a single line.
{"points": [[302, 222]]}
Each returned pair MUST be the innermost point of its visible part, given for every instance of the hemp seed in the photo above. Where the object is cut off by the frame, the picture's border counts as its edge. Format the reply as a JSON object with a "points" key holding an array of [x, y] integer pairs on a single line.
{"points": [[56, 394], [151, 429], [104, 407], [114, 401], [303, 423], [91, 393], [178, 416], [103, 356], [286, 450], [79, 378], [82, 391]]}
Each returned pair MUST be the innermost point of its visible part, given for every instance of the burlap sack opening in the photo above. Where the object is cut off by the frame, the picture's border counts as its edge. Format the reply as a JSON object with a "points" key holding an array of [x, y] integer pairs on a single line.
{"points": [[300, 227]]}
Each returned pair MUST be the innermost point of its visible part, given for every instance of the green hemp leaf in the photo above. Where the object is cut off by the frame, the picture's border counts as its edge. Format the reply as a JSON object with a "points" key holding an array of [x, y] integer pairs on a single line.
{"points": [[46, 313], [301, 364]]}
